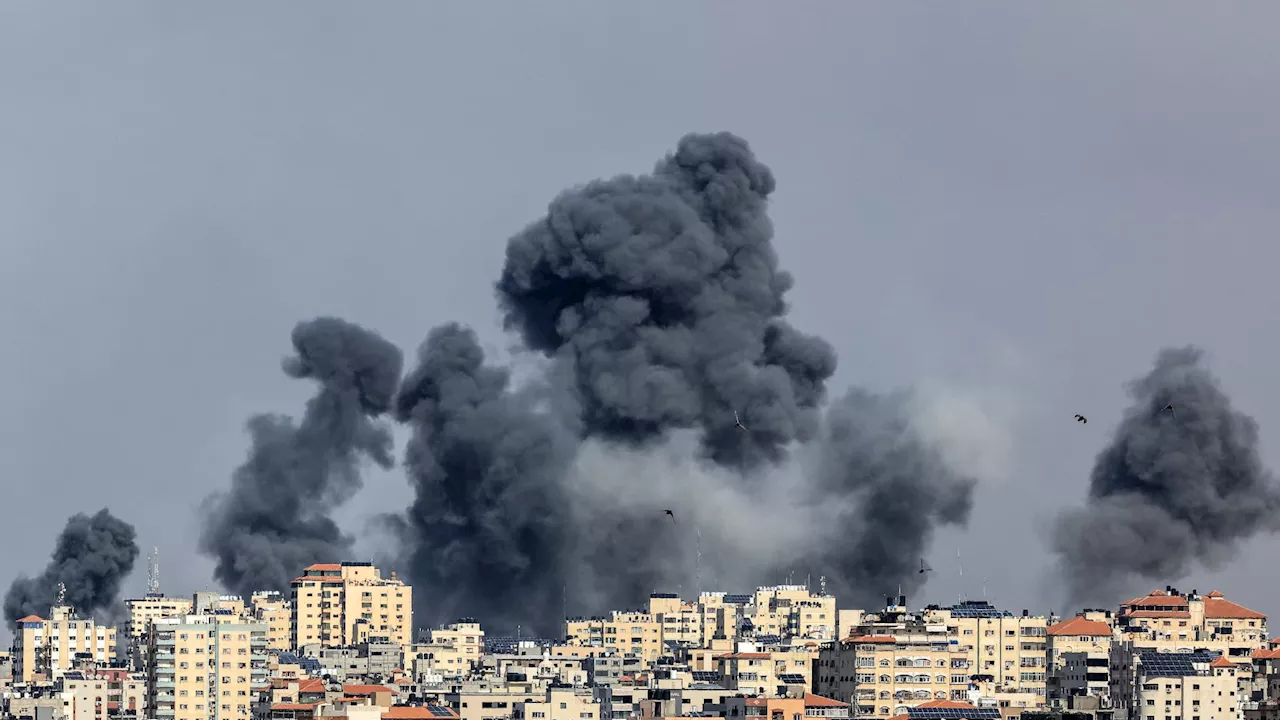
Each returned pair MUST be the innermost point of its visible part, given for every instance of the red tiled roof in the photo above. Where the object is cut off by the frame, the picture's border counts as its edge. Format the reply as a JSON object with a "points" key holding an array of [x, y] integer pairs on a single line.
{"points": [[321, 567], [1157, 599], [366, 689], [1218, 607], [811, 700], [1222, 662], [311, 685], [1080, 626], [31, 619], [294, 706], [1215, 594], [403, 712], [1182, 614], [872, 639]]}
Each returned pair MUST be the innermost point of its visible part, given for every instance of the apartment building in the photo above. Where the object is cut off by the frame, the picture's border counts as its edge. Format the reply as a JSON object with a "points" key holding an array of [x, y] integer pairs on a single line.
{"points": [[626, 631], [1077, 656], [895, 662], [345, 604], [793, 611], [559, 704], [49, 648], [205, 667], [680, 622], [141, 612], [276, 612], [1151, 685], [1169, 621], [97, 694], [1008, 649]]}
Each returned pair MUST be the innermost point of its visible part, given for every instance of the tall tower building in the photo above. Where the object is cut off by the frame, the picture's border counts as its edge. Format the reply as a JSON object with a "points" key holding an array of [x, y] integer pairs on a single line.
{"points": [[348, 603], [205, 666]]}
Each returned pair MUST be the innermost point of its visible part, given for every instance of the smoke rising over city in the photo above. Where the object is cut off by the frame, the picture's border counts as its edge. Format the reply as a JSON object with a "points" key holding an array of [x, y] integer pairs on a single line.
{"points": [[277, 516], [1175, 486], [91, 558], [659, 305]]}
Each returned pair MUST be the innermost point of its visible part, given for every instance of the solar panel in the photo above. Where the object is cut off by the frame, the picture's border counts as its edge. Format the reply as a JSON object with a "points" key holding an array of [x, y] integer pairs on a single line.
{"points": [[737, 599], [792, 679], [948, 713], [706, 675]]}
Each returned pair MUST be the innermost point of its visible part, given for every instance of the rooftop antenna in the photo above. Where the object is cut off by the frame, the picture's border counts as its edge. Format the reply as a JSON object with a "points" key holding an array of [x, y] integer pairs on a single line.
{"points": [[960, 567], [984, 588], [822, 585], [697, 562], [153, 572], [62, 594]]}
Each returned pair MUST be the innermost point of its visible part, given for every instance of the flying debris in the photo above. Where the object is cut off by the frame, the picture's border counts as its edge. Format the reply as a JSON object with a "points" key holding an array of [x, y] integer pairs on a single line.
{"points": [[924, 568], [1169, 407], [737, 422], [672, 514], [1081, 419]]}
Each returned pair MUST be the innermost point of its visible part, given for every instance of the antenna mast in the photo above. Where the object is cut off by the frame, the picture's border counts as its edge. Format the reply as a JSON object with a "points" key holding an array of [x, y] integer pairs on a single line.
{"points": [[62, 594], [153, 572], [697, 562], [960, 567]]}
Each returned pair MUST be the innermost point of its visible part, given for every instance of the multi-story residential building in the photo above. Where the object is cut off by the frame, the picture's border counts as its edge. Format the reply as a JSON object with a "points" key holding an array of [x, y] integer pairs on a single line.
{"points": [[1150, 685], [48, 648], [141, 612], [793, 611], [680, 622], [895, 662], [344, 604], [1007, 648], [1169, 621], [630, 631], [276, 612], [558, 704], [1077, 656], [97, 694], [205, 667]]}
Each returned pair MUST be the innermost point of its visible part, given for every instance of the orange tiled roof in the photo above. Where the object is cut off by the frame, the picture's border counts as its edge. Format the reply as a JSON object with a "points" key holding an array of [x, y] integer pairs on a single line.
{"points": [[320, 567], [1218, 607], [811, 700], [1266, 654], [1215, 594], [311, 685], [1080, 626], [31, 618], [1222, 662], [1183, 614], [365, 689], [412, 713], [317, 578], [872, 639], [1157, 598]]}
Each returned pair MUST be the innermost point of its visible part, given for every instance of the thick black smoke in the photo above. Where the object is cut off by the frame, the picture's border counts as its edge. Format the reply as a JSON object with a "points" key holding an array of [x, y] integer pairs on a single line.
{"points": [[664, 294], [659, 302], [1172, 488], [275, 520], [895, 487], [92, 557], [487, 526]]}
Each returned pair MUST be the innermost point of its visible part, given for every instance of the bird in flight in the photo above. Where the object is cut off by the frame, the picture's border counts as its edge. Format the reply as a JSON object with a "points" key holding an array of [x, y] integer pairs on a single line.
{"points": [[924, 568], [737, 422], [1169, 407], [672, 514], [1081, 419]]}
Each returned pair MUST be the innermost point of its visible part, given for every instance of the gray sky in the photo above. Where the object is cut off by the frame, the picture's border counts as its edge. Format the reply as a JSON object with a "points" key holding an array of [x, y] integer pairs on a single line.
{"points": [[1012, 204]]}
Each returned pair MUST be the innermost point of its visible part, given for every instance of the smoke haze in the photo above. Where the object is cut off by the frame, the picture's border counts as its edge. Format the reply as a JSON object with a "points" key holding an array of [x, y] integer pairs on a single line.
{"points": [[92, 557], [1171, 489], [659, 303], [276, 518]]}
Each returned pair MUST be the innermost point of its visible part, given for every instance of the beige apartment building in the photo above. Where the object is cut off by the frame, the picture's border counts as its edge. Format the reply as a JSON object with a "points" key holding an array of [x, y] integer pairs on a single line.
{"points": [[1152, 685], [1169, 621], [1077, 655], [680, 622], [97, 694], [205, 667], [276, 612], [793, 611], [344, 604], [48, 648], [560, 704], [630, 631], [1007, 648], [450, 653]]}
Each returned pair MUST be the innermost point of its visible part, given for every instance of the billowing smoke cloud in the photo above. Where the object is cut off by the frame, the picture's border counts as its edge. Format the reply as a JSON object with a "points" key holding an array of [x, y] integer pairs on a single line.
{"points": [[659, 303], [486, 528], [92, 557], [275, 520], [1171, 489], [663, 293]]}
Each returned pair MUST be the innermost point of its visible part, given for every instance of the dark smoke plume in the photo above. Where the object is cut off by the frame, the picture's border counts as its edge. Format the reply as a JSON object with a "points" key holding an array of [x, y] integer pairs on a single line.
{"points": [[664, 294], [92, 557], [897, 488], [487, 528], [1172, 488], [275, 520], [659, 302]]}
